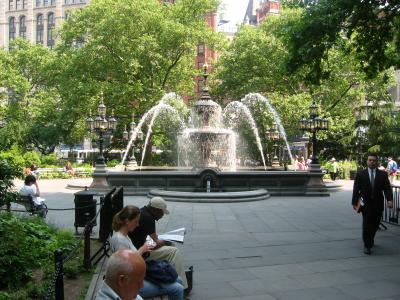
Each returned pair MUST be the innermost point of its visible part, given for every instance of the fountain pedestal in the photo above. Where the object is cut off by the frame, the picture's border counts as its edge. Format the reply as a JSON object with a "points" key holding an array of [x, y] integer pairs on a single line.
{"points": [[275, 162], [100, 177], [132, 164]]}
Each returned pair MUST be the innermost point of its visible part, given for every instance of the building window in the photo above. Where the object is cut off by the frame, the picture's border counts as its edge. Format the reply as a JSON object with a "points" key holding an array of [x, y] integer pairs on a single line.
{"points": [[50, 30], [45, 3], [17, 4], [11, 29], [67, 15], [10, 4], [200, 49], [24, 4], [38, 2], [53, 2], [39, 29], [22, 27]]}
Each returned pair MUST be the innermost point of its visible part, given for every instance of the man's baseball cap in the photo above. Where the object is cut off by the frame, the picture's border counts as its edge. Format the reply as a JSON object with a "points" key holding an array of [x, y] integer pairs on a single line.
{"points": [[158, 202]]}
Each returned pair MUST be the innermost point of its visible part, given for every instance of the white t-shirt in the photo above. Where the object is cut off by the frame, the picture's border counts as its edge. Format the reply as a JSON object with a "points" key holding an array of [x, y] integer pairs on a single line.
{"points": [[27, 190]]}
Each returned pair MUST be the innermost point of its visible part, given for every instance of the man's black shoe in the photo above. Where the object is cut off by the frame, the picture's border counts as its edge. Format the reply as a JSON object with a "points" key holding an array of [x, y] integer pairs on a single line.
{"points": [[367, 251]]}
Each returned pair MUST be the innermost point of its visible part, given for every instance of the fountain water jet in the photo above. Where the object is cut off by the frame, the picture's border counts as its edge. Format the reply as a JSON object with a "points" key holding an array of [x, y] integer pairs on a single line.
{"points": [[238, 106], [251, 98]]}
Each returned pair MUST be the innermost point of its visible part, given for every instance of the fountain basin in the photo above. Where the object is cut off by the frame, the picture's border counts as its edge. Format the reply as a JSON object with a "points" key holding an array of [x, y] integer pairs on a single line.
{"points": [[277, 183], [211, 197]]}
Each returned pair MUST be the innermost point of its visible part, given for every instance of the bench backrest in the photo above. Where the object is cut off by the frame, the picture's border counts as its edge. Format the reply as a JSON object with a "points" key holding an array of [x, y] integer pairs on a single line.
{"points": [[26, 201]]}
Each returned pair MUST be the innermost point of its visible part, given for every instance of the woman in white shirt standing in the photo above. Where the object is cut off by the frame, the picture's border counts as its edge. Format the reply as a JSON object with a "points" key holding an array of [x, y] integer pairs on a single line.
{"points": [[126, 221]]}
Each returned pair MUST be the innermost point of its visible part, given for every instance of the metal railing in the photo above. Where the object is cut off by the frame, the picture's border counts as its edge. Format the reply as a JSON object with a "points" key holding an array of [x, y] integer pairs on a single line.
{"points": [[391, 215], [110, 204]]}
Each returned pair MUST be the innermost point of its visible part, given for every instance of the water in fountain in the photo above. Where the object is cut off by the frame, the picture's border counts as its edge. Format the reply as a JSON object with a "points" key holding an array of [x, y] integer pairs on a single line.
{"points": [[233, 111], [207, 147], [153, 113], [252, 98], [206, 144]]}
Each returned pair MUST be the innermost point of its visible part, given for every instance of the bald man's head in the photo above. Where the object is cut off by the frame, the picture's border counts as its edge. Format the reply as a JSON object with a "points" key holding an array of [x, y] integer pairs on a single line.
{"points": [[125, 273]]}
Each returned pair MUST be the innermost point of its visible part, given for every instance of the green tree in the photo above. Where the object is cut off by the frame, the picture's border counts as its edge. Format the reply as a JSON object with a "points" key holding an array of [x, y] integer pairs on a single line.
{"points": [[372, 28], [134, 52], [255, 62], [30, 103]]}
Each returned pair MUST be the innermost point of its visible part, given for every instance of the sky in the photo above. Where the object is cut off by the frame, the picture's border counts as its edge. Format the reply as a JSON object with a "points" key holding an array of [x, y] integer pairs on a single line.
{"points": [[234, 11]]}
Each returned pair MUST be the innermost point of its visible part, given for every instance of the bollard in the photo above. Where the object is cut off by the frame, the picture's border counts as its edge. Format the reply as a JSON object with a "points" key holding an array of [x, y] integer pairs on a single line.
{"points": [[59, 286], [86, 251]]}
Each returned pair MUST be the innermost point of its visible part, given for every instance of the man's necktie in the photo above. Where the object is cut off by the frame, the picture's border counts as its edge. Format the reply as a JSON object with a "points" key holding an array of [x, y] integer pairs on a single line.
{"points": [[372, 179]]}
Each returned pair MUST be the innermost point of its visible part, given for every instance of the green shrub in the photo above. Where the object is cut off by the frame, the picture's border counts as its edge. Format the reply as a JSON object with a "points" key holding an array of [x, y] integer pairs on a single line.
{"points": [[27, 244], [8, 172], [34, 290], [72, 268], [14, 157], [51, 159], [32, 157], [112, 163]]}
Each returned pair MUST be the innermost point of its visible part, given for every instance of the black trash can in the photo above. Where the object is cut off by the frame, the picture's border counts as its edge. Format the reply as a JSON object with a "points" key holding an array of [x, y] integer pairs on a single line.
{"points": [[85, 208]]}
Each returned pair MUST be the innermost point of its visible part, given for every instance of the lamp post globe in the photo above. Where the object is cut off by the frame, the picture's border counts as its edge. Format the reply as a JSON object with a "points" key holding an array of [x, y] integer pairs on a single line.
{"points": [[101, 126]]}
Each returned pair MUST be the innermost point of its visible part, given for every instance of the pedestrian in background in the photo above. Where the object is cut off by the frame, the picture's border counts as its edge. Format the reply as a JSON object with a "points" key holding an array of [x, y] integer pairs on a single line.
{"points": [[391, 169], [333, 168]]}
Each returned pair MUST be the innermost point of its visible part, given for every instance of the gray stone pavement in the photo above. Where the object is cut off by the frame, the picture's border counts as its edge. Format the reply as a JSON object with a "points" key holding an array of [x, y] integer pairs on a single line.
{"points": [[280, 248]]}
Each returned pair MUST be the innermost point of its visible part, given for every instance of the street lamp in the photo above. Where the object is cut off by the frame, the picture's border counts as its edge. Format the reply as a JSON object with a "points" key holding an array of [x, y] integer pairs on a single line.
{"points": [[127, 136], [101, 125], [274, 135], [361, 125], [312, 125]]}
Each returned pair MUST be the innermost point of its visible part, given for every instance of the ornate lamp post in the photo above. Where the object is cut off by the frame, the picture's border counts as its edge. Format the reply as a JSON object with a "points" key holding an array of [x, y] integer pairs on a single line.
{"points": [[132, 164], [312, 125], [101, 126], [361, 129], [274, 135]]}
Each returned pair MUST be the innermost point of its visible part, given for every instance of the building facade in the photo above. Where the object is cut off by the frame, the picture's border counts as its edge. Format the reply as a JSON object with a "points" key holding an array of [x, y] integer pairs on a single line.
{"points": [[205, 54], [258, 10], [34, 20]]}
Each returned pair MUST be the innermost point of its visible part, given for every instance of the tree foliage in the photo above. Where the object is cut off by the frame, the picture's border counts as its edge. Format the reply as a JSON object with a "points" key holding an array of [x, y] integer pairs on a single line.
{"points": [[134, 51], [371, 27], [256, 61], [29, 104]]}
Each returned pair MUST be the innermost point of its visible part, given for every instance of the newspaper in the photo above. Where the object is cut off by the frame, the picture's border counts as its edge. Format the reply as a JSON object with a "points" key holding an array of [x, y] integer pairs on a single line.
{"points": [[176, 235]]}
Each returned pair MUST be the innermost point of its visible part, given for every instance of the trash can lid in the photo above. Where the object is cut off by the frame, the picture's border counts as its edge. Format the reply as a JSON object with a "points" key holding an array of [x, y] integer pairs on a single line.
{"points": [[86, 192]]}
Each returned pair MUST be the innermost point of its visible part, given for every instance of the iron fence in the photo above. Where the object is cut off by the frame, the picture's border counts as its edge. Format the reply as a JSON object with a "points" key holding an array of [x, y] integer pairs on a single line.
{"points": [[391, 215]]}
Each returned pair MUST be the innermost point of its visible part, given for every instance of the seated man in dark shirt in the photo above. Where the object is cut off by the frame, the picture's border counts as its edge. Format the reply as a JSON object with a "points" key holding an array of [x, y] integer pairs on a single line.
{"points": [[149, 214]]}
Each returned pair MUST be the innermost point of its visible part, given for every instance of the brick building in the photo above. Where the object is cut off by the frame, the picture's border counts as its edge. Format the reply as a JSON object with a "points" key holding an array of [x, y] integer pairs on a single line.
{"points": [[258, 10]]}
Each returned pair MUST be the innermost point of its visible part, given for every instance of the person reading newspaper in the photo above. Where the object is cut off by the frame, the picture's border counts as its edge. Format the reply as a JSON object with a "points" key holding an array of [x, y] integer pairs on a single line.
{"points": [[149, 214]]}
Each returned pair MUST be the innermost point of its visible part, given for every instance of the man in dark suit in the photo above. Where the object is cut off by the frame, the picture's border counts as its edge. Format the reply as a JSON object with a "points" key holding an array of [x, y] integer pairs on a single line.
{"points": [[371, 184]]}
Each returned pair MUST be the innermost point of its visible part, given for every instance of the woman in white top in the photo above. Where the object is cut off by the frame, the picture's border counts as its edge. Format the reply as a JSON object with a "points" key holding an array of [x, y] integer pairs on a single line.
{"points": [[126, 221]]}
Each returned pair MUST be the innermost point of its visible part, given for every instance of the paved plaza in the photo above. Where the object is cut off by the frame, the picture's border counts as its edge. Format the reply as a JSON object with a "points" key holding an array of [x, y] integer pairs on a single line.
{"points": [[280, 248]]}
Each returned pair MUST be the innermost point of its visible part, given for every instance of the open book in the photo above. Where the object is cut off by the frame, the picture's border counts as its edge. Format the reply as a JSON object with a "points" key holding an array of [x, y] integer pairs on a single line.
{"points": [[176, 235]]}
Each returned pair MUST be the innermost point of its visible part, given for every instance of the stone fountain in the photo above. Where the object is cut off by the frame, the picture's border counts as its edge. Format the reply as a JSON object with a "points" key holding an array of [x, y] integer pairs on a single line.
{"points": [[206, 171]]}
